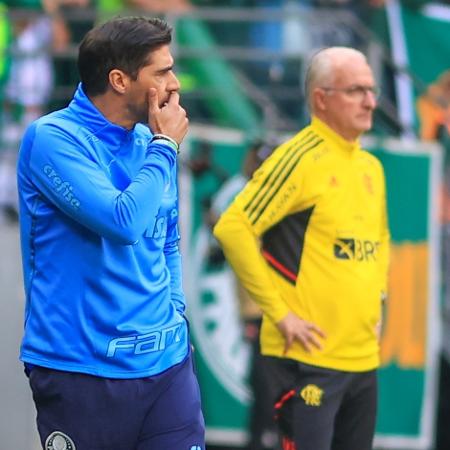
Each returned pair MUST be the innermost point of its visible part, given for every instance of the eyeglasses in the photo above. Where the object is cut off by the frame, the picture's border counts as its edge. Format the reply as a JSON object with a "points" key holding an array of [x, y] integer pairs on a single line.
{"points": [[356, 92]]}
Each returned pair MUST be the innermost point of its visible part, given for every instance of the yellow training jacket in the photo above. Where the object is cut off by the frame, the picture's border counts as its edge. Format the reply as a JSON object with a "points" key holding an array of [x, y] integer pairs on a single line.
{"points": [[309, 234]]}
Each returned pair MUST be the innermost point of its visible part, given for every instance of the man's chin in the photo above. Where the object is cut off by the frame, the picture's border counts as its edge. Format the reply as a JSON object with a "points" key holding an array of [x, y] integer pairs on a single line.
{"points": [[365, 125]]}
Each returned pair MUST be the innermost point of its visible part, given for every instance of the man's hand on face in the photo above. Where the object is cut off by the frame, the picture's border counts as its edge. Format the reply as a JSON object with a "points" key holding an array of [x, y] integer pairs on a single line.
{"points": [[170, 119], [293, 328]]}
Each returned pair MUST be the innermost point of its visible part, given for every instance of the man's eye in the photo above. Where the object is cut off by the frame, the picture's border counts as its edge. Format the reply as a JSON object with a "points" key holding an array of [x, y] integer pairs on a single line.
{"points": [[357, 90]]}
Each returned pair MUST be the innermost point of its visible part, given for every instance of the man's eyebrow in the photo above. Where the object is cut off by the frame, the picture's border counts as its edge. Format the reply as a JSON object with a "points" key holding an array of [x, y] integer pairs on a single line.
{"points": [[165, 69]]}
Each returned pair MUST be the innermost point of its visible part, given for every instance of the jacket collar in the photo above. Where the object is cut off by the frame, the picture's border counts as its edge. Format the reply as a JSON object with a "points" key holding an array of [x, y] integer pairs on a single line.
{"points": [[100, 127], [324, 130]]}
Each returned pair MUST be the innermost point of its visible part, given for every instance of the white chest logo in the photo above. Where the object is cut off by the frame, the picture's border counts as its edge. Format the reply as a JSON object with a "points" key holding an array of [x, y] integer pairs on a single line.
{"points": [[59, 441]]}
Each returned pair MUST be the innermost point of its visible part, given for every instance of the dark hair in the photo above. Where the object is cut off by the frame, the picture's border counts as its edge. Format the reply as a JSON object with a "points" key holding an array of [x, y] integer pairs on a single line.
{"points": [[122, 43]]}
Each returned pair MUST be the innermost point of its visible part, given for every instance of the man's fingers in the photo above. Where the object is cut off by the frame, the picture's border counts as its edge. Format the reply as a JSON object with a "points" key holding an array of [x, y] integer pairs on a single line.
{"points": [[167, 117], [307, 334], [310, 338], [174, 98], [304, 341], [316, 330], [153, 102], [312, 335], [314, 341]]}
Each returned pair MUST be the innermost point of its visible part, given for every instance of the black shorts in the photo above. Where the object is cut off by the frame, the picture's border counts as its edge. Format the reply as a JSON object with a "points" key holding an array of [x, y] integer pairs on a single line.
{"points": [[83, 412], [323, 409]]}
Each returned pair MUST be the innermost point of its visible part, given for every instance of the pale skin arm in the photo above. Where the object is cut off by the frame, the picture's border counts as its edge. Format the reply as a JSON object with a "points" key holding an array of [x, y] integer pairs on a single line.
{"points": [[170, 120], [294, 328]]}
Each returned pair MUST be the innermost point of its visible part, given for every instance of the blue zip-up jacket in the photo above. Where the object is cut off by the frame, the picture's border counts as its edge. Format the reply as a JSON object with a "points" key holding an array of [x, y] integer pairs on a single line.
{"points": [[99, 235]]}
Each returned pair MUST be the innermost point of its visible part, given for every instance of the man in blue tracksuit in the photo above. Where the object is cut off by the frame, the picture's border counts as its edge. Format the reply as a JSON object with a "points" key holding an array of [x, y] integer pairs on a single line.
{"points": [[106, 343]]}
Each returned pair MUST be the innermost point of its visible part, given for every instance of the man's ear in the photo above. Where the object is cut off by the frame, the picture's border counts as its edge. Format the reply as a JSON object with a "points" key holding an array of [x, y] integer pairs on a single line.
{"points": [[318, 99], [119, 81]]}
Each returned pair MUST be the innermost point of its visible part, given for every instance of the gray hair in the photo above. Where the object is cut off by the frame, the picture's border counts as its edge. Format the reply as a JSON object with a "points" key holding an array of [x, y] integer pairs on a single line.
{"points": [[322, 67]]}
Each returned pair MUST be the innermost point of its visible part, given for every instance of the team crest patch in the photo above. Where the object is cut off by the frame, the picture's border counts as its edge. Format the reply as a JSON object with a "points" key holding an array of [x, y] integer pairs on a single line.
{"points": [[312, 395], [59, 441]]}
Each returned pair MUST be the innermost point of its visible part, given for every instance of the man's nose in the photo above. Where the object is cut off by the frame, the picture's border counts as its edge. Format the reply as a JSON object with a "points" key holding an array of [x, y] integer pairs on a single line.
{"points": [[370, 100], [174, 84]]}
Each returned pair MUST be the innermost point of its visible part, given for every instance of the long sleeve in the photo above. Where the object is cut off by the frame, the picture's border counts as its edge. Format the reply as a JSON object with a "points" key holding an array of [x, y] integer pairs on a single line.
{"points": [[67, 176], [241, 249], [274, 192]]}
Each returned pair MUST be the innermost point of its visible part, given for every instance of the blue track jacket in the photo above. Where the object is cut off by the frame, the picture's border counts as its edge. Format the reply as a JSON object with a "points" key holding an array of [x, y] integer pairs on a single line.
{"points": [[99, 236]]}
